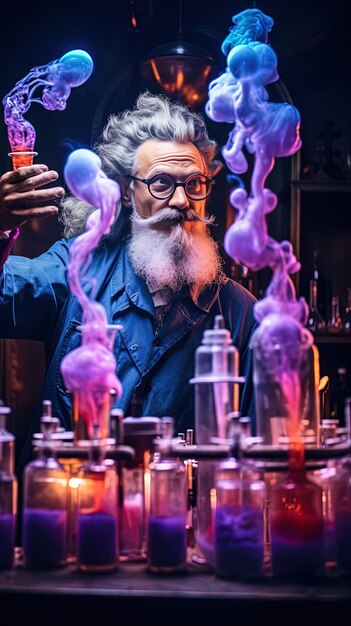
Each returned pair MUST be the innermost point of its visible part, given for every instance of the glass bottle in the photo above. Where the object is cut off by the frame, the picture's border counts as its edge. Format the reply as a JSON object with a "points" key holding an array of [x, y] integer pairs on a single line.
{"points": [[346, 317], [341, 498], [239, 520], [315, 322], [216, 396], [140, 434], [97, 530], [283, 351], [45, 504], [334, 322], [296, 521], [8, 492], [167, 534], [339, 393]]}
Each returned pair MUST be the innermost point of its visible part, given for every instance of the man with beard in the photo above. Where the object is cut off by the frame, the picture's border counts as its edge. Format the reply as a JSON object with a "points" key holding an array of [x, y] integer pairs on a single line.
{"points": [[158, 273]]}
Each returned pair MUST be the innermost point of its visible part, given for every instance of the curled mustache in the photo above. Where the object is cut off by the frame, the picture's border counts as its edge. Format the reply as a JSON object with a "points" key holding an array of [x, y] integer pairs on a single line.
{"points": [[171, 216]]}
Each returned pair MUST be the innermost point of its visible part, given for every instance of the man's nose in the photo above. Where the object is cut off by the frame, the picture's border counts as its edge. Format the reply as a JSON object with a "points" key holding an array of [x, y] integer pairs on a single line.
{"points": [[179, 200]]}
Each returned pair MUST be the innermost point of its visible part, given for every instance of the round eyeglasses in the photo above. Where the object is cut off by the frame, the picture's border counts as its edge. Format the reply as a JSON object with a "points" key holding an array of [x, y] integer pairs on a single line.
{"points": [[163, 186]]}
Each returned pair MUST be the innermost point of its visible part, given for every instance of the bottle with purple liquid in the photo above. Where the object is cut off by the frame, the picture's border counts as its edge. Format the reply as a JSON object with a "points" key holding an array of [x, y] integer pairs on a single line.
{"points": [[239, 519], [44, 533], [296, 521], [8, 492], [97, 531], [167, 535]]}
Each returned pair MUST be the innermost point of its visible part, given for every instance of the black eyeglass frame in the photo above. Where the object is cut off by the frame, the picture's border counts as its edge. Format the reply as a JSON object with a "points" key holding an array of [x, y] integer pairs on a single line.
{"points": [[147, 182]]}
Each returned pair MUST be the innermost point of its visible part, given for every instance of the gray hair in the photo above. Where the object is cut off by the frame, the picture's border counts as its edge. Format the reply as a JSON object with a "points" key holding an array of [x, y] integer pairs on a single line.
{"points": [[153, 117]]}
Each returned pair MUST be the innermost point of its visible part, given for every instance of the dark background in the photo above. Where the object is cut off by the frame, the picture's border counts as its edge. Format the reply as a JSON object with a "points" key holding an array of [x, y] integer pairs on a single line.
{"points": [[312, 43]]}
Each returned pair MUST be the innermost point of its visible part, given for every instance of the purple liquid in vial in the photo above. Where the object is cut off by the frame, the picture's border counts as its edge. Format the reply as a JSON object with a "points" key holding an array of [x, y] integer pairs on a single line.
{"points": [[238, 542], [97, 539], [166, 541], [6, 540], [44, 538]]}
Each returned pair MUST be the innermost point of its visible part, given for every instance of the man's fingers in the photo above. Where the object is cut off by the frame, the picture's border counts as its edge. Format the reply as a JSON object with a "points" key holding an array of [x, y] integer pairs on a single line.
{"points": [[34, 196], [15, 176], [45, 211]]}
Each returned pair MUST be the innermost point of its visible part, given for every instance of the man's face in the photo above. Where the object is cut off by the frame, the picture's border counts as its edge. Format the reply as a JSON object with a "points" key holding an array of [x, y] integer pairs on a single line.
{"points": [[180, 160]]}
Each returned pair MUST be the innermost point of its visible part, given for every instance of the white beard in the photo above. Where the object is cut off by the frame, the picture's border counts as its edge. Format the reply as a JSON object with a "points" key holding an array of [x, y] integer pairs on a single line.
{"points": [[166, 255]]}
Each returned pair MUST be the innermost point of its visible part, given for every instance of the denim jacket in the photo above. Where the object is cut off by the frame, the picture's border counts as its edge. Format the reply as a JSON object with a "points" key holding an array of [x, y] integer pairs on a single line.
{"points": [[36, 303]]}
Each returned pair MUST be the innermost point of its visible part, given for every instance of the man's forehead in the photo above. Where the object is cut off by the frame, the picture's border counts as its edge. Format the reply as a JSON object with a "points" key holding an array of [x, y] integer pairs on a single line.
{"points": [[154, 153]]}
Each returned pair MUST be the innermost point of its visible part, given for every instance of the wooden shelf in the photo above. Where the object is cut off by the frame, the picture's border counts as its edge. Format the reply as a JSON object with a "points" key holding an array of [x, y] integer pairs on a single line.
{"points": [[332, 339], [339, 186]]}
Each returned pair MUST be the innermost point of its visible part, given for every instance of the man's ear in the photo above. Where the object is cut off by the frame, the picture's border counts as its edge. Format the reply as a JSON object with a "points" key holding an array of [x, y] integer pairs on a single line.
{"points": [[125, 192]]}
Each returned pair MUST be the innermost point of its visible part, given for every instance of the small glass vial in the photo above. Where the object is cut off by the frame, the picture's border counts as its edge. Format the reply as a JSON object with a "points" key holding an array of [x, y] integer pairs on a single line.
{"points": [[296, 521], [239, 520], [167, 534], [97, 531], [45, 504], [8, 492]]}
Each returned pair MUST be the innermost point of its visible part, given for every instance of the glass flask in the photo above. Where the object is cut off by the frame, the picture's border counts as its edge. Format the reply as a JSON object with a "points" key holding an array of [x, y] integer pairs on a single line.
{"points": [[140, 434], [296, 521], [97, 530], [341, 498], [315, 322], [239, 521], [167, 534], [45, 504], [216, 397], [286, 362], [8, 492]]}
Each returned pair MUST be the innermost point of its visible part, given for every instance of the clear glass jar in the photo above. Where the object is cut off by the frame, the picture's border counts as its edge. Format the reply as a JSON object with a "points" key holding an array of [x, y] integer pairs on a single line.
{"points": [[239, 521], [167, 534], [45, 494], [8, 493], [284, 360], [97, 530]]}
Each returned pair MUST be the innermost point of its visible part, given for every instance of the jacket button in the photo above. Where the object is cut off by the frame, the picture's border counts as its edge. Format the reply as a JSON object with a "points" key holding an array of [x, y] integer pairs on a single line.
{"points": [[157, 341]]}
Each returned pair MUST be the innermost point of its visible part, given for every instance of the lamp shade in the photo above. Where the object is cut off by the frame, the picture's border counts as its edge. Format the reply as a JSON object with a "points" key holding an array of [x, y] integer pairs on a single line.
{"points": [[178, 69]]}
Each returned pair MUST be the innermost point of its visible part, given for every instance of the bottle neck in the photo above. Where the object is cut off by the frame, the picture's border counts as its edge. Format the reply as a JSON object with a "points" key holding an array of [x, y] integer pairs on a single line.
{"points": [[313, 295], [296, 458]]}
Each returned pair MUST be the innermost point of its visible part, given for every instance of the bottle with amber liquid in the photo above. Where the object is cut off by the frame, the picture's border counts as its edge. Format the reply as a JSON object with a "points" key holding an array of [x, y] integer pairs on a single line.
{"points": [[296, 521]]}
